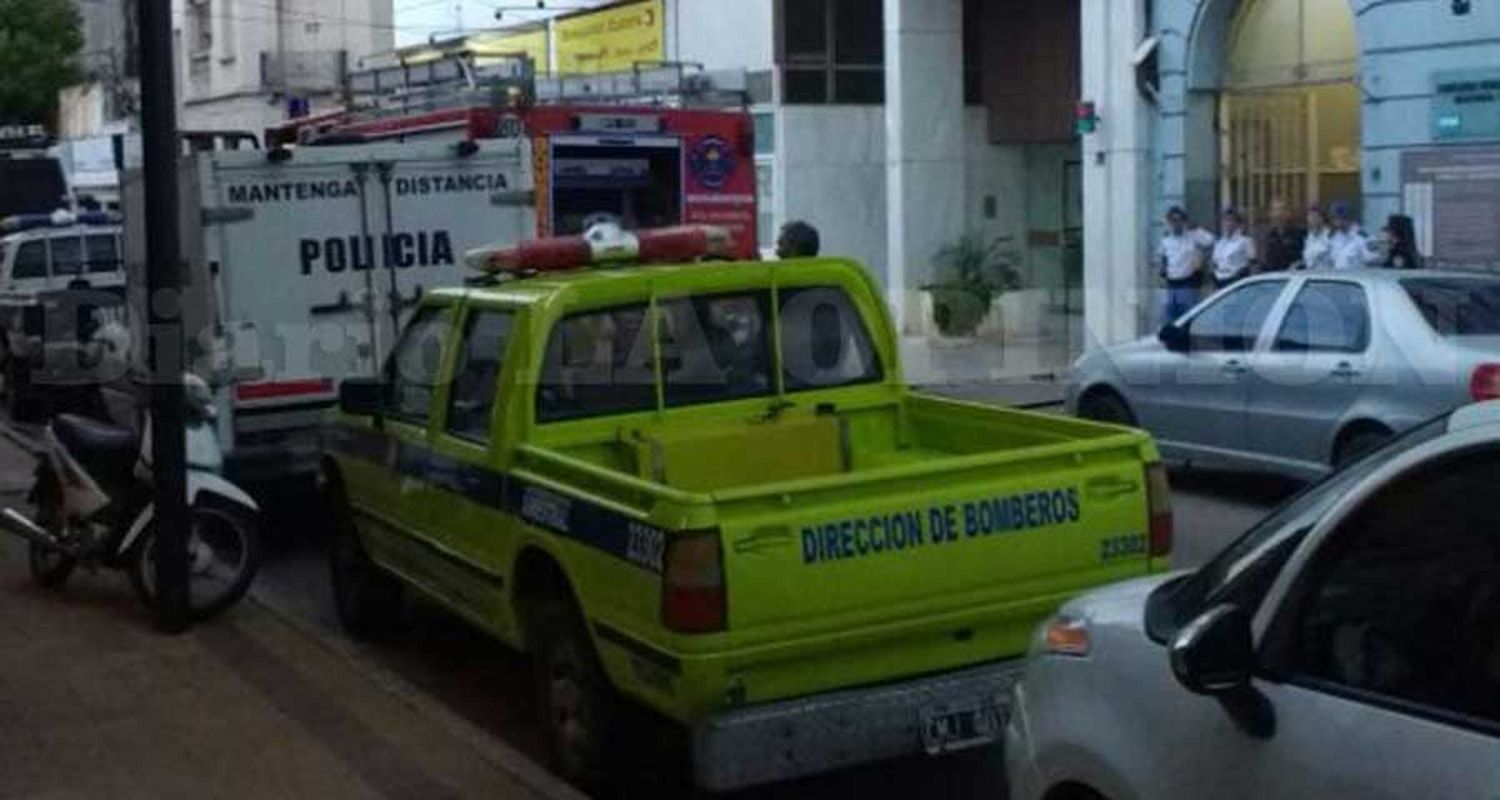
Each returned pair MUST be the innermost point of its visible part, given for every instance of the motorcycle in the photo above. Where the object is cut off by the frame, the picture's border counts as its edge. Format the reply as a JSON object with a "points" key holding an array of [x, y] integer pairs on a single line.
{"points": [[93, 497]]}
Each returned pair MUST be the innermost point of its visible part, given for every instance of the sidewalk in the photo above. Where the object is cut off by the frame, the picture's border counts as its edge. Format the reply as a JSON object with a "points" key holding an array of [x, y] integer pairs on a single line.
{"points": [[95, 703]]}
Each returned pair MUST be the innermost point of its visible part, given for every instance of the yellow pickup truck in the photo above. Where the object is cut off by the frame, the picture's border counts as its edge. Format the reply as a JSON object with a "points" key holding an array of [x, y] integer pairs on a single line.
{"points": [[704, 488]]}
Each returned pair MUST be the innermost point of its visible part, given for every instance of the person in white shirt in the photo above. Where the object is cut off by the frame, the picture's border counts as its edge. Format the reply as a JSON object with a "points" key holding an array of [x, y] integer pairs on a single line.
{"points": [[1234, 252], [1351, 250], [1181, 255], [1317, 248]]}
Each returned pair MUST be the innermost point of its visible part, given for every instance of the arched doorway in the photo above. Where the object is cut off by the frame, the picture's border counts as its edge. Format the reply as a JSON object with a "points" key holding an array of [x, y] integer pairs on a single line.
{"points": [[1289, 106]]}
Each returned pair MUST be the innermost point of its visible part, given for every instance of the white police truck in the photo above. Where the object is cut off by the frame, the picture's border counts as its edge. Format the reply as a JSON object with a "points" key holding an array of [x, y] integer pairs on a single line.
{"points": [[301, 265], [61, 281]]}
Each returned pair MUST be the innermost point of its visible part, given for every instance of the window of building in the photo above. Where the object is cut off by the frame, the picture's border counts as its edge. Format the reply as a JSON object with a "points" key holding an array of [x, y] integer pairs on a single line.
{"points": [[832, 51], [200, 27], [973, 22]]}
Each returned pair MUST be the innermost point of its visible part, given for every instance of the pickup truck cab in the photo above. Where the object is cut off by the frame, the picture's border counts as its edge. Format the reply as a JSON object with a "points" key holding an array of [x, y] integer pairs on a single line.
{"points": [[704, 487]]}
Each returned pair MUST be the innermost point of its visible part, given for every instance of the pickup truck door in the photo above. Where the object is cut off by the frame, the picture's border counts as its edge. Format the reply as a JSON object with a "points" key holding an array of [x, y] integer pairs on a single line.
{"points": [[1198, 405], [470, 534], [393, 496]]}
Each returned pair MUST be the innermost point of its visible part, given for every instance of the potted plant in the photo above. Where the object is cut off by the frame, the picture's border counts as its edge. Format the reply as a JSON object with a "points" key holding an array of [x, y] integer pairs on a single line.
{"points": [[970, 273]]}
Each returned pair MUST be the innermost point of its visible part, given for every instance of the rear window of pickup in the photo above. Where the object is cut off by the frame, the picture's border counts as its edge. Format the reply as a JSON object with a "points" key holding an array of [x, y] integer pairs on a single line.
{"points": [[713, 348]]}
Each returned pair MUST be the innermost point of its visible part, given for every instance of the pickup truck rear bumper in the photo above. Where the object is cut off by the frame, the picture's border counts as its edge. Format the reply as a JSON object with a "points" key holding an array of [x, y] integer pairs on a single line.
{"points": [[791, 738]]}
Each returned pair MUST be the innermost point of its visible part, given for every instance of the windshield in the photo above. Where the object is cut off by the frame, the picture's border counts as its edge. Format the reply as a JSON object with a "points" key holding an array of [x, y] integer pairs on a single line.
{"points": [[1457, 306], [1242, 572]]}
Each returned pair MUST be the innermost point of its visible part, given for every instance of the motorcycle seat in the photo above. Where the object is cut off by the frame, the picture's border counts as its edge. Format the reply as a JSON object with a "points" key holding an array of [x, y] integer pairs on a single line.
{"points": [[92, 441]]}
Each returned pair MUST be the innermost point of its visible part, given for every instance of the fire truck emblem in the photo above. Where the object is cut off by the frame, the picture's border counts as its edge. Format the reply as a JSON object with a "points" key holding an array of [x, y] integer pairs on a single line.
{"points": [[712, 162]]}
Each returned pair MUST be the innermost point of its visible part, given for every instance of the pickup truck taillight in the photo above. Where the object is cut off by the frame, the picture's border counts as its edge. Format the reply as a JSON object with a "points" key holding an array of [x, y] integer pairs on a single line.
{"points": [[692, 592], [1159, 505]]}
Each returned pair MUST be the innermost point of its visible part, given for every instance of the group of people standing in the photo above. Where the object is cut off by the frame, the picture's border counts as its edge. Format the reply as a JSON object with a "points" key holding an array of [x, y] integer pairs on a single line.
{"points": [[1331, 240]]}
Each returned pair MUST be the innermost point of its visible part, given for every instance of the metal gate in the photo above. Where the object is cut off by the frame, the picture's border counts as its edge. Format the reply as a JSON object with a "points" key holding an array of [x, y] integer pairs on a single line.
{"points": [[1267, 150]]}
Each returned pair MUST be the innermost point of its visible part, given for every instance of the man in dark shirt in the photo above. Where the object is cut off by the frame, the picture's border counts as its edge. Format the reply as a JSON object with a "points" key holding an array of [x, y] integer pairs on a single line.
{"points": [[1282, 247]]}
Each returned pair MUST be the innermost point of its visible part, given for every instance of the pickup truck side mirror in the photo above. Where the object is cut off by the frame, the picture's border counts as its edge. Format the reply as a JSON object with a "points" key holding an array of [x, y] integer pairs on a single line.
{"points": [[361, 396], [1174, 337]]}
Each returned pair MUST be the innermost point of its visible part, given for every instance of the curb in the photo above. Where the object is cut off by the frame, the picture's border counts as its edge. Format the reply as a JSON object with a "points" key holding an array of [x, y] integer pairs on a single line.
{"points": [[485, 745]]}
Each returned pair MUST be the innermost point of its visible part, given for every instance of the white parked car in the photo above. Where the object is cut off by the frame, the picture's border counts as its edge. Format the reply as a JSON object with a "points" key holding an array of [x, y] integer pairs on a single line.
{"points": [[1348, 646]]}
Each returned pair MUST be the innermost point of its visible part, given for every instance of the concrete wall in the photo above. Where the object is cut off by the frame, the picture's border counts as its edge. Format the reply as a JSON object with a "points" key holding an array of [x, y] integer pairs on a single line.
{"points": [[830, 171], [721, 34]]}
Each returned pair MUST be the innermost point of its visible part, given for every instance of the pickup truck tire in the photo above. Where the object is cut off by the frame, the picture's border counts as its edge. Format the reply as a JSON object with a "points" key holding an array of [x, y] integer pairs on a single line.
{"points": [[573, 695], [1103, 405], [367, 598]]}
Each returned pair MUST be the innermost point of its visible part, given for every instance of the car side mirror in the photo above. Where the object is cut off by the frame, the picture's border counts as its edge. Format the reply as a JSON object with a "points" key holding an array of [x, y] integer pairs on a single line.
{"points": [[361, 396], [1174, 337], [1214, 655]]}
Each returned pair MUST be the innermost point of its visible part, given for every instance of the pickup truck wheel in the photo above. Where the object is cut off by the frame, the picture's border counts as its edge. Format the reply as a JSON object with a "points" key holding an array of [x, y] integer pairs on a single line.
{"points": [[573, 694], [367, 598]]}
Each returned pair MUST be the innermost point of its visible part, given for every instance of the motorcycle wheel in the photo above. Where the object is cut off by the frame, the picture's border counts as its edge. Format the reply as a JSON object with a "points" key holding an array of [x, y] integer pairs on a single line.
{"points": [[223, 557], [49, 568]]}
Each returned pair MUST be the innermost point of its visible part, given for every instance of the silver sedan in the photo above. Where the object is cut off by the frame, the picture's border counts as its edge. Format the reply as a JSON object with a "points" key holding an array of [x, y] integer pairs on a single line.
{"points": [[1293, 373]]}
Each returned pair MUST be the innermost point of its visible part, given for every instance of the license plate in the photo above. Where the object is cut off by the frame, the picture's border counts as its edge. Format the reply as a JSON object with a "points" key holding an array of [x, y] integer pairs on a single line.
{"points": [[948, 729]]}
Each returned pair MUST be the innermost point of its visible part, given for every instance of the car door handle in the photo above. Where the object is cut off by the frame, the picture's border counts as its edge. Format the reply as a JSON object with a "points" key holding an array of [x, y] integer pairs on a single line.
{"points": [[1344, 370], [1235, 367]]}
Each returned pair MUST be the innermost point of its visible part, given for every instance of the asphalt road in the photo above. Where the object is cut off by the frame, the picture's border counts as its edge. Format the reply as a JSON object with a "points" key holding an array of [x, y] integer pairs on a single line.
{"points": [[489, 687]]}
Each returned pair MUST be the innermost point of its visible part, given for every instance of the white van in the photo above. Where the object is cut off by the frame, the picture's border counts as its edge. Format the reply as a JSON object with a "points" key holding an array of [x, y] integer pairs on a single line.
{"points": [[61, 279], [303, 264]]}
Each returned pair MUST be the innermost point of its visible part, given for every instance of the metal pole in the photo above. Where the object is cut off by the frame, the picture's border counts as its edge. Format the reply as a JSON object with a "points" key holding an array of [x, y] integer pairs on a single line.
{"points": [[163, 295]]}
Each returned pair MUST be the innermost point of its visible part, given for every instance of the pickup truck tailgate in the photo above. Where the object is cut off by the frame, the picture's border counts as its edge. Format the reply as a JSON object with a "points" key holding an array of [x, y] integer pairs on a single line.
{"points": [[948, 563]]}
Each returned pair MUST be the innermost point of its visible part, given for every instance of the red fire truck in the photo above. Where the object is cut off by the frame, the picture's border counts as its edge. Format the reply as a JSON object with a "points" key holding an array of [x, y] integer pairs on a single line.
{"points": [[657, 146]]}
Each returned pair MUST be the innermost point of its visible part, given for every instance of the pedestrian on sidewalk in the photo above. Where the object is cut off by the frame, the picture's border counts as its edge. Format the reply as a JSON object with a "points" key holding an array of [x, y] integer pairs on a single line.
{"points": [[1283, 242], [1398, 243], [1317, 245], [1351, 248], [1181, 256], [1234, 252]]}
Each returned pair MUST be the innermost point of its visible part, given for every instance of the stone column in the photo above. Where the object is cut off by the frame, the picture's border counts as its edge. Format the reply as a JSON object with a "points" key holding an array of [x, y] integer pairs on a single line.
{"points": [[1117, 276], [924, 145]]}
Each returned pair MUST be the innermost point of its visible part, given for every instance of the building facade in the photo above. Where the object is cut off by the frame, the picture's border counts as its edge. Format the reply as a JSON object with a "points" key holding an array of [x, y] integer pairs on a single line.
{"points": [[1388, 107]]}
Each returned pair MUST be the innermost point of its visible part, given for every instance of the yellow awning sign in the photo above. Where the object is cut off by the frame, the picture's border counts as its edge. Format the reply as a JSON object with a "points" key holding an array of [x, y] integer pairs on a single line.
{"points": [[611, 39], [532, 43]]}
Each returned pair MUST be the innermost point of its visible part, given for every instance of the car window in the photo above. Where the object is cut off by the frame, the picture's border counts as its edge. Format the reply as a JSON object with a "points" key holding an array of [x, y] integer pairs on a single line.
{"points": [[1404, 601], [415, 365], [476, 377], [1233, 322], [103, 252], [67, 255], [1326, 317], [1457, 306], [31, 260], [597, 363], [716, 348], [824, 341]]}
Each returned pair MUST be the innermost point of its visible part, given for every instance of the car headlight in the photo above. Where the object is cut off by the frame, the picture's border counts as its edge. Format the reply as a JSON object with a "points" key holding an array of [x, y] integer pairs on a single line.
{"points": [[1065, 635]]}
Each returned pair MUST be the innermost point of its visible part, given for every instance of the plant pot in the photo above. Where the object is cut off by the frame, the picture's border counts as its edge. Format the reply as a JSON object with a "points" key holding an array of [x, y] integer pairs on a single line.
{"points": [[957, 311]]}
